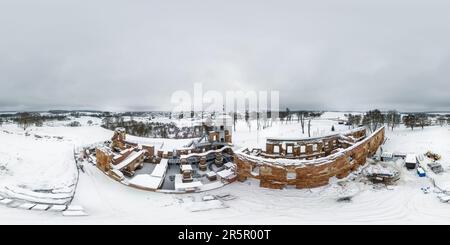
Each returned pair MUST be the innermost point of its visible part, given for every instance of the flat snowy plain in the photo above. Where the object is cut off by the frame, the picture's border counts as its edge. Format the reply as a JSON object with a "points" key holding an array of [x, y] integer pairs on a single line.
{"points": [[48, 162]]}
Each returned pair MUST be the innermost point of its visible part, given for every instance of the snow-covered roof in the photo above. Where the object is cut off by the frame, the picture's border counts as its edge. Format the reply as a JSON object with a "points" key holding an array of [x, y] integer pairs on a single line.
{"points": [[160, 169], [132, 157], [118, 173], [411, 158], [225, 173], [146, 181], [203, 154], [186, 167], [381, 170], [211, 174], [229, 165]]}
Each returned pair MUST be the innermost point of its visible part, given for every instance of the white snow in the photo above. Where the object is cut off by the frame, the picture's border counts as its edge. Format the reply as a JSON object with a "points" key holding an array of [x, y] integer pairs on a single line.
{"points": [[180, 186], [40, 207], [27, 206], [132, 157], [154, 180], [160, 169], [146, 181], [224, 174], [411, 158], [74, 213], [6, 201], [186, 167], [57, 208], [75, 208], [36, 164]]}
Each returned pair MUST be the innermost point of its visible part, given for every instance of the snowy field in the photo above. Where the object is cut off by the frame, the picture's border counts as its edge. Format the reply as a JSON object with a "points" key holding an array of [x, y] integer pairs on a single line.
{"points": [[46, 161]]}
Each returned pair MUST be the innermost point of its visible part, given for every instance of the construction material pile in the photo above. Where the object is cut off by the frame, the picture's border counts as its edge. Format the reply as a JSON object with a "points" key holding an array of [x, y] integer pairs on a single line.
{"points": [[433, 156], [381, 173]]}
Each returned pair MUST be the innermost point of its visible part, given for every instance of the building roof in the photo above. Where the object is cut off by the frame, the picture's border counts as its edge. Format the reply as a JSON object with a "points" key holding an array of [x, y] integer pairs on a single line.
{"points": [[186, 167], [225, 173], [146, 181], [131, 158], [211, 174], [411, 158], [160, 169]]}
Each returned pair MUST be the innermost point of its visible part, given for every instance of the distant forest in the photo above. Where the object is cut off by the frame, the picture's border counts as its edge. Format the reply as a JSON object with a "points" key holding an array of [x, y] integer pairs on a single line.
{"points": [[371, 119], [153, 129]]}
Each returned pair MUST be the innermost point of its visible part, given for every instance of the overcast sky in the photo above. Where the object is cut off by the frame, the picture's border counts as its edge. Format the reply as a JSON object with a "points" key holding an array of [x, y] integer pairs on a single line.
{"points": [[119, 55]]}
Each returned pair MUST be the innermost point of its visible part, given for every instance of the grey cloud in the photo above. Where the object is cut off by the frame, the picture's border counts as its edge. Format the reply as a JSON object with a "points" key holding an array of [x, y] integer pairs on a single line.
{"points": [[340, 55]]}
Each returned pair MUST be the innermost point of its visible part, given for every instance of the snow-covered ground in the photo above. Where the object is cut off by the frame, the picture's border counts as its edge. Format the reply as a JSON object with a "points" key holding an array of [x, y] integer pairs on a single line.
{"points": [[48, 162]]}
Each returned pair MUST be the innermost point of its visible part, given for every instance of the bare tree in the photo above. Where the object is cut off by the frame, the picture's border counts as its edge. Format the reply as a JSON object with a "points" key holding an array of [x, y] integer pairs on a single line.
{"points": [[373, 120], [301, 118], [422, 120], [235, 118], [353, 120], [258, 119], [393, 119], [247, 120], [309, 128], [265, 120], [441, 120], [410, 121], [24, 120]]}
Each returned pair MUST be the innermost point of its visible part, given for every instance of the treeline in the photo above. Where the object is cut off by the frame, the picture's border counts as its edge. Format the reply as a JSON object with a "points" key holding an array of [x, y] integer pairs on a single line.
{"points": [[264, 119], [375, 118], [152, 129], [27, 119]]}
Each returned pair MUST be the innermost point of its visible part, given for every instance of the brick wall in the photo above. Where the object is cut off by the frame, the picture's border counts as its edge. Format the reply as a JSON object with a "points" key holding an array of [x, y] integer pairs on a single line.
{"points": [[310, 174]]}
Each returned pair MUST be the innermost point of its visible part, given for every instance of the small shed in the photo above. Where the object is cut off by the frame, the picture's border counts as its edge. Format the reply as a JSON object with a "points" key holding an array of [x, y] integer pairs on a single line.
{"points": [[387, 156], [187, 172], [212, 176], [411, 161]]}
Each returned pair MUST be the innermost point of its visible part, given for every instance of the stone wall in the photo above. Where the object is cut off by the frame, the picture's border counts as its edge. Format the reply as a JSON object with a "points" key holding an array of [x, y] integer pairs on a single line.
{"points": [[277, 173], [311, 148], [103, 159]]}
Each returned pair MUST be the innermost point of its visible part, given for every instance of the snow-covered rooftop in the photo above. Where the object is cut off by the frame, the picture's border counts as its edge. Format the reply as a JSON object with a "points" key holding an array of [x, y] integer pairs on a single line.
{"points": [[146, 181], [186, 167], [132, 157], [411, 158], [160, 169]]}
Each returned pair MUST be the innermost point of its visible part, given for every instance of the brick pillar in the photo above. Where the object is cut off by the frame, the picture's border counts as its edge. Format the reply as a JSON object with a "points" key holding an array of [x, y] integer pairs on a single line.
{"points": [[202, 165]]}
